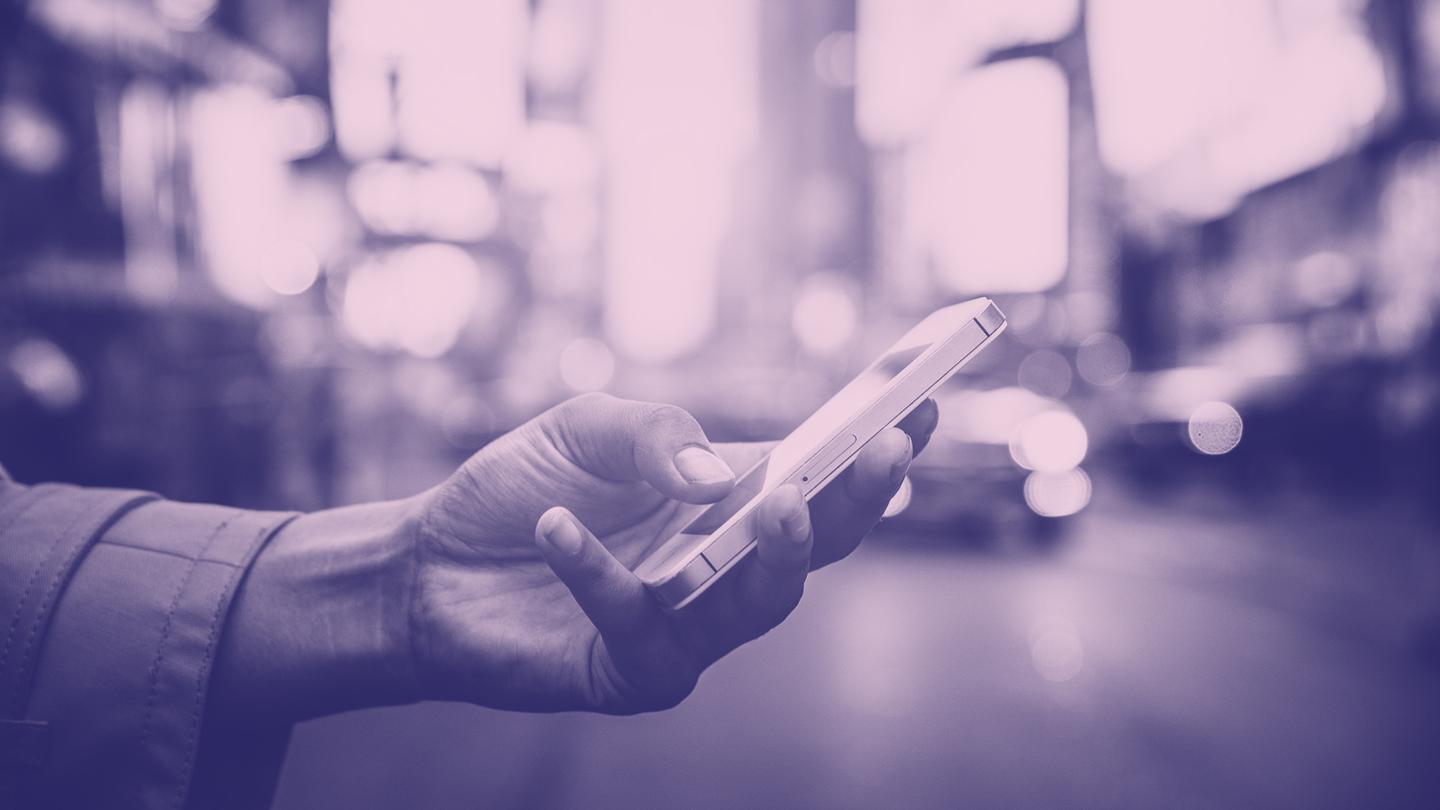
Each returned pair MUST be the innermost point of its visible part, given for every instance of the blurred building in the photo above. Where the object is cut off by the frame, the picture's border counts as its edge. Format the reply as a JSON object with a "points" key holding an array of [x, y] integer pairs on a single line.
{"points": [[342, 245]]}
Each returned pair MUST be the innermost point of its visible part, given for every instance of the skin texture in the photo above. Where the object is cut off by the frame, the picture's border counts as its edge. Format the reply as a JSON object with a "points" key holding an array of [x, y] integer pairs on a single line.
{"points": [[509, 584]]}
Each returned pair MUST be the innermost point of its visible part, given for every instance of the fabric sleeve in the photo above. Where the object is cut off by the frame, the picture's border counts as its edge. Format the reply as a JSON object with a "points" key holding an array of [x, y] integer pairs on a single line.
{"points": [[111, 608]]}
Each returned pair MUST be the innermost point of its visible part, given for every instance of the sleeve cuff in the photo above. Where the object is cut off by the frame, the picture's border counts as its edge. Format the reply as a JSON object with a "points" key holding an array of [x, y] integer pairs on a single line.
{"points": [[124, 669]]}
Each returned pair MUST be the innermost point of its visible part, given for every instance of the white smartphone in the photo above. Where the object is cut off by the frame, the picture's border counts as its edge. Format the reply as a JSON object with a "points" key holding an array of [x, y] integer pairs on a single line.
{"points": [[716, 540]]}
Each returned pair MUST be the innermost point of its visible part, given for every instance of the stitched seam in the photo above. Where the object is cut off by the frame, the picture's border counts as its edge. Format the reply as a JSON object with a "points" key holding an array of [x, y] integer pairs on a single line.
{"points": [[25, 595], [62, 573], [153, 677], [204, 669], [163, 552], [20, 605]]}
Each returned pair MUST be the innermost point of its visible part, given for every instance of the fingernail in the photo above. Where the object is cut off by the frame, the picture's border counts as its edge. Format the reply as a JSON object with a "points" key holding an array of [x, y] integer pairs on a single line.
{"points": [[561, 533], [897, 470], [700, 466], [795, 516]]}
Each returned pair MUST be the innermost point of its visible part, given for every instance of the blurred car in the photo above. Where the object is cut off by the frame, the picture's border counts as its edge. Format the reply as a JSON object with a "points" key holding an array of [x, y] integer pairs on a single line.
{"points": [[1002, 467]]}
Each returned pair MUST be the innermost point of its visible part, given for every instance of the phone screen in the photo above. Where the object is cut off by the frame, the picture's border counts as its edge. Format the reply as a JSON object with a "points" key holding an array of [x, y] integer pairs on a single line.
{"points": [[806, 439]]}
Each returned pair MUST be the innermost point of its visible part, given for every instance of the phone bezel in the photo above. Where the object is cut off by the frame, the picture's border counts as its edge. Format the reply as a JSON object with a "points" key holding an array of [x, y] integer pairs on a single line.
{"points": [[683, 580]]}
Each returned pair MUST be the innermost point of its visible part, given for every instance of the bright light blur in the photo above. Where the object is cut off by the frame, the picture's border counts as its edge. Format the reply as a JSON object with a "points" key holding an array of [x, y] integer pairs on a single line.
{"points": [[1215, 428], [1103, 360], [295, 254], [47, 373], [673, 139], [908, 51], [1046, 372], [989, 416], [1050, 442], [441, 201], [551, 157], [186, 13], [1057, 494], [290, 268], [826, 313], [586, 364], [835, 59], [418, 299], [29, 139], [1326, 278], [1200, 102], [438, 79], [992, 180], [1175, 393], [1056, 651], [252, 246], [560, 43], [304, 126]]}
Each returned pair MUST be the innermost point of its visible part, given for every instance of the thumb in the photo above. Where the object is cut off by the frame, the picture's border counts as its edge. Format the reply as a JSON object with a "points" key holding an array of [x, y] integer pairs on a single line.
{"points": [[662, 445], [612, 596]]}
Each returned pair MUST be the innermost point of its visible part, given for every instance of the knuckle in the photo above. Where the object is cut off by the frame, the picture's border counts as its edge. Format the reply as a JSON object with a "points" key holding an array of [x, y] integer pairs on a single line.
{"points": [[657, 415], [593, 577], [587, 403]]}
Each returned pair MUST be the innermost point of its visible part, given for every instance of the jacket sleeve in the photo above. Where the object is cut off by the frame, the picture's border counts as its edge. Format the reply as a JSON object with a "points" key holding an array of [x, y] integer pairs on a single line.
{"points": [[112, 604]]}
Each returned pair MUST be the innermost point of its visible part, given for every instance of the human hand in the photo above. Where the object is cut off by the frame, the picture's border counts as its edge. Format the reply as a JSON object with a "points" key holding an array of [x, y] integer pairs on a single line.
{"points": [[524, 596], [509, 584]]}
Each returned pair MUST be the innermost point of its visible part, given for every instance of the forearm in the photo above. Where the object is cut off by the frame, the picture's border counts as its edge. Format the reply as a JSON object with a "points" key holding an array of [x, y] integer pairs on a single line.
{"points": [[320, 624]]}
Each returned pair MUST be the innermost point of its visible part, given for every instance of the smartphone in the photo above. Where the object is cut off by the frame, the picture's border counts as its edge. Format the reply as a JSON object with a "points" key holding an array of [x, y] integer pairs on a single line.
{"points": [[717, 539]]}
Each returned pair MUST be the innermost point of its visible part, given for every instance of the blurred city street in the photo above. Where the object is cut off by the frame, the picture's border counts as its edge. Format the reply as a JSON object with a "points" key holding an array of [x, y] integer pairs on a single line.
{"points": [[1164, 655], [1173, 543]]}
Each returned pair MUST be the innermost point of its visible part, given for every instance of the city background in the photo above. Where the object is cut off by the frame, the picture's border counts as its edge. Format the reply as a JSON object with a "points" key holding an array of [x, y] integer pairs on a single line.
{"points": [[1174, 542]]}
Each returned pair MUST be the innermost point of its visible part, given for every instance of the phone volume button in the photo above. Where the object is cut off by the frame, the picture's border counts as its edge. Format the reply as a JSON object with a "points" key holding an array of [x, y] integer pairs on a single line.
{"points": [[828, 455], [686, 581]]}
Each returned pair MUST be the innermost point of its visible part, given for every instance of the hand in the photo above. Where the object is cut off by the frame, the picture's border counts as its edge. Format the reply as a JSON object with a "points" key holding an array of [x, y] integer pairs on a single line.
{"points": [[509, 585], [524, 598]]}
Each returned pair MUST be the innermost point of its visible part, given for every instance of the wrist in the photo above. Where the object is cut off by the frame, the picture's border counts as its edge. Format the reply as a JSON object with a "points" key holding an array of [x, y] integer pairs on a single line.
{"points": [[321, 622]]}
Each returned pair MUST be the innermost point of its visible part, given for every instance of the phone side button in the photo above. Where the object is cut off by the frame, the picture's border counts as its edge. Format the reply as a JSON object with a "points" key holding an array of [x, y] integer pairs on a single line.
{"points": [[820, 464], [732, 542], [674, 590]]}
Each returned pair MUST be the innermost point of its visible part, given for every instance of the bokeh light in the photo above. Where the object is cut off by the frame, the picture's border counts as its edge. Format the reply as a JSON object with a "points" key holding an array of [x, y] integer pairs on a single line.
{"points": [[29, 139], [1046, 372], [441, 200], [835, 59], [304, 126], [418, 299], [552, 156], [1201, 102], [1215, 428], [1326, 278], [826, 313], [290, 268], [1056, 651], [186, 14], [1051, 441], [673, 140], [989, 417], [586, 364], [1057, 494], [47, 373], [991, 181], [1103, 360]]}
